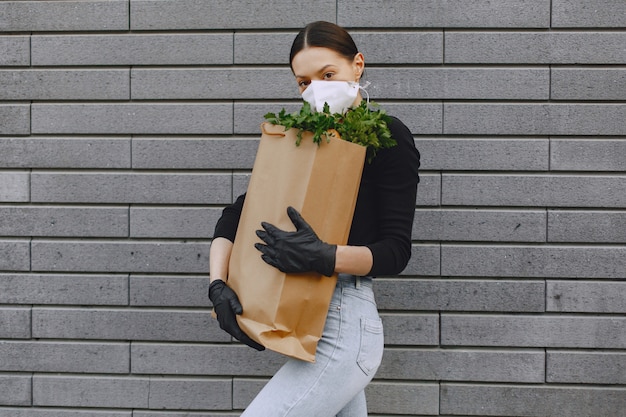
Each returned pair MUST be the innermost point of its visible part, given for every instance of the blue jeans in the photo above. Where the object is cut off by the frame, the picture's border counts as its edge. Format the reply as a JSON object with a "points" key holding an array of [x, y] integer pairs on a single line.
{"points": [[347, 357]]}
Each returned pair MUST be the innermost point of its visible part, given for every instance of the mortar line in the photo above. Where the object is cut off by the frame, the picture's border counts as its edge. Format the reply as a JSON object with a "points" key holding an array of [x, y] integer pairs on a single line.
{"points": [[545, 365], [443, 47], [550, 13], [130, 357], [232, 393]]}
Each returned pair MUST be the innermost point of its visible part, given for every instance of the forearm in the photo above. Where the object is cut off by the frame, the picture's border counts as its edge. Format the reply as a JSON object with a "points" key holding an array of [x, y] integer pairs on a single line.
{"points": [[354, 260], [219, 256]]}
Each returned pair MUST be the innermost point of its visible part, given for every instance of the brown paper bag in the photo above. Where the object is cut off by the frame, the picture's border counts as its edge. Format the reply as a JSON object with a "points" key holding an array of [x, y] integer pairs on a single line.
{"points": [[287, 312]]}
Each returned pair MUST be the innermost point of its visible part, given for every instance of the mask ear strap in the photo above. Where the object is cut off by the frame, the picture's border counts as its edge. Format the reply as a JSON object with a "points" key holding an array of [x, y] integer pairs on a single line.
{"points": [[367, 95]]}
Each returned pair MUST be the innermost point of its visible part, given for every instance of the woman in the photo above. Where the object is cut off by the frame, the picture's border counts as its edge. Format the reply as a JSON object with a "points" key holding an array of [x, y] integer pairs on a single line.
{"points": [[379, 243]]}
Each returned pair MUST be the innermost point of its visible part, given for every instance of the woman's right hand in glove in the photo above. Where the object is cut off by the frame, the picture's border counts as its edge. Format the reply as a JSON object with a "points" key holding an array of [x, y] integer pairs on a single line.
{"points": [[226, 305]]}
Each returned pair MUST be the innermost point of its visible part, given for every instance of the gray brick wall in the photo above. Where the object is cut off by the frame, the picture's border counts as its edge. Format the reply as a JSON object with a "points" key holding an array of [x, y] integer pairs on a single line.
{"points": [[127, 125]]}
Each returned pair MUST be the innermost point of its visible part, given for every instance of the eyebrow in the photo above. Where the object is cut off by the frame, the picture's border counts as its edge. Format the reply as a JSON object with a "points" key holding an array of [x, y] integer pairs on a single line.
{"points": [[320, 70]]}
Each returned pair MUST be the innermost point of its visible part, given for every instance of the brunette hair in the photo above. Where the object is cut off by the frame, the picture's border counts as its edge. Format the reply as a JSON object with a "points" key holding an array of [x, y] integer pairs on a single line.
{"points": [[325, 35]]}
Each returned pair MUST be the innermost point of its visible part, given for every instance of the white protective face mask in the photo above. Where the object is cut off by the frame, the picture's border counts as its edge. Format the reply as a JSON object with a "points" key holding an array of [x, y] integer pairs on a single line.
{"points": [[339, 95]]}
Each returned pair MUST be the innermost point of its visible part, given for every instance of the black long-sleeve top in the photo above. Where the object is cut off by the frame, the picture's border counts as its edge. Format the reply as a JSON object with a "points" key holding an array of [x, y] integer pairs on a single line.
{"points": [[385, 207]]}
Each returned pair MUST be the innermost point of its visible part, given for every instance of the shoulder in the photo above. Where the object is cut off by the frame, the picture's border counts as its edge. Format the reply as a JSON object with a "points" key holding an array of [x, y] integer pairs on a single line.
{"points": [[398, 128], [403, 137], [401, 159]]}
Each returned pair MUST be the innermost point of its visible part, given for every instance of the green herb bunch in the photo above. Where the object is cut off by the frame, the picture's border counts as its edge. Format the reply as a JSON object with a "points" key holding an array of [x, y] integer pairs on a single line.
{"points": [[361, 125]]}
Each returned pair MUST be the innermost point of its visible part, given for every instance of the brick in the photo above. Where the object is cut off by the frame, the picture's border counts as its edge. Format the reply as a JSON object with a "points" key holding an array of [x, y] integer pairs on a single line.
{"points": [[225, 84], [63, 221], [119, 256], [165, 222], [420, 118], [47, 412], [14, 187], [586, 367], [425, 260], [76, 15], [191, 359], [460, 295], [148, 188], [138, 413], [89, 391], [429, 190], [459, 83], [535, 47], [85, 152], [586, 296], [190, 394], [244, 391], [463, 365], [427, 224], [240, 184], [14, 255], [588, 13], [587, 84], [111, 324], [471, 154], [64, 357], [572, 154], [586, 226], [408, 47], [547, 119], [15, 119], [531, 401], [409, 329], [607, 191], [174, 291], [136, 49], [15, 323], [64, 289], [187, 153], [451, 13], [382, 397], [132, 118], [227, 14], [64, 85], [14, 50], [275, 50], [533, 261], [15, 390], [480, 225], [403, 398], [533, 331]]}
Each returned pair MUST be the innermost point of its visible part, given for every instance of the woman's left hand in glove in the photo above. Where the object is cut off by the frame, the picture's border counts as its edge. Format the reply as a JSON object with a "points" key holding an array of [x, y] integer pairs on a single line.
{"points": [[299, 251]]}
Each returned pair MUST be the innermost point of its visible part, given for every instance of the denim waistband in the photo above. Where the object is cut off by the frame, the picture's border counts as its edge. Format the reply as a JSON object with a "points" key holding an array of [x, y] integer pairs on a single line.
{"points": [[354, 281]]}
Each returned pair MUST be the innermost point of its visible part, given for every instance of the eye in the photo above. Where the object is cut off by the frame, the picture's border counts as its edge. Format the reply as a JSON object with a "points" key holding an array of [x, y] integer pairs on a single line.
{"points": [[303, 83], [328, 75]]}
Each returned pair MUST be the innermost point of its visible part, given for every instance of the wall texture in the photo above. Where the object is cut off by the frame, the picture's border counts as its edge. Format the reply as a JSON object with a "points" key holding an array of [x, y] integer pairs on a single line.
{"points": [[126, 126]]}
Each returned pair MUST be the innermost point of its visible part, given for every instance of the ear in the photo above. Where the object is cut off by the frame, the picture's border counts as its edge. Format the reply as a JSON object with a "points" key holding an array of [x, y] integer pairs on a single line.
{"points": [[358, 63]]}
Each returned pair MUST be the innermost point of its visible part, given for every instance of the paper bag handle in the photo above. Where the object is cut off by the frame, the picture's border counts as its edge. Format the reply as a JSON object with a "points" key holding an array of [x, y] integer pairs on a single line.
{"points": [[333, 132], [265, 131]]}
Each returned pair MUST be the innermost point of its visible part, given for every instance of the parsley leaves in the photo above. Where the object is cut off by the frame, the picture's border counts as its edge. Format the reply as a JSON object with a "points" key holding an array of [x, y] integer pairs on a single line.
{"points": [[361, 125]]}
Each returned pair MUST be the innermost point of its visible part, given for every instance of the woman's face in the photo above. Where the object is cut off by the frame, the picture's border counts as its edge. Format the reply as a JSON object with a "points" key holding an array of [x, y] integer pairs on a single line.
{"points": [[317, 63]]}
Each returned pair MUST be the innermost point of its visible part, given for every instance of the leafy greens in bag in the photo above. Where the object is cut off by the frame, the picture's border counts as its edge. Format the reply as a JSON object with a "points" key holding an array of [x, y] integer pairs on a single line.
{"points": [[361, 125]]}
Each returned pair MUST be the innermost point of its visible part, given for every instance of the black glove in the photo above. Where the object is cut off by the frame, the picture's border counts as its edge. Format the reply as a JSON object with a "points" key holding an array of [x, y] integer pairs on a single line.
{"points": [[226, 305], [299, 251]]}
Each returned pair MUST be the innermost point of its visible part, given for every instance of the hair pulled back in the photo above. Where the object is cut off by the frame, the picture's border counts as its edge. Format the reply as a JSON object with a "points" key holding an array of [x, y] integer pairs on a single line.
{"points": [[325, 35]]}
